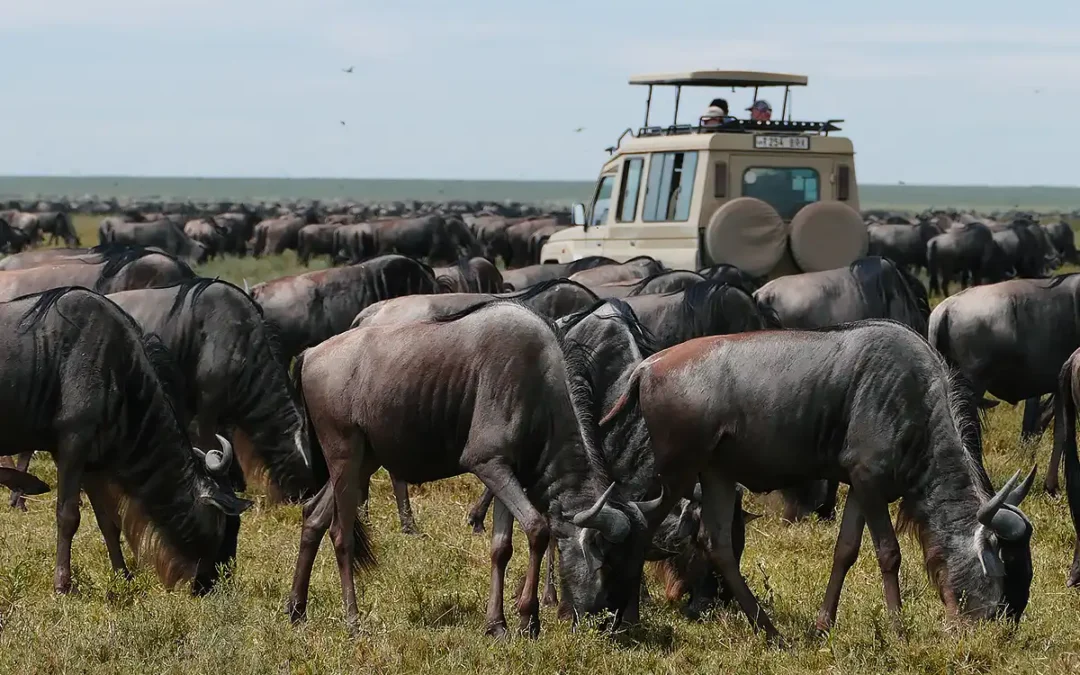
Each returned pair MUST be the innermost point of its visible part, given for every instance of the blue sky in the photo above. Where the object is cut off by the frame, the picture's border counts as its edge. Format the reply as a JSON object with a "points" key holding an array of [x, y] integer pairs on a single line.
{"points": [[952, 91]]}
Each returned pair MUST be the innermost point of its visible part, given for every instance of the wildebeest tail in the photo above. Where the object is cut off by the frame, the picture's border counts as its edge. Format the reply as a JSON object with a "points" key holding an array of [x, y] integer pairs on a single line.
{"points": [[1065, 441], [628, 400], [363, 552]]}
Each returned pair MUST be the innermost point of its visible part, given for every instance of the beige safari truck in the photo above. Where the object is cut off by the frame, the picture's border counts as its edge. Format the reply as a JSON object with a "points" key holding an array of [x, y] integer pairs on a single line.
{"points": [[772, 197]]}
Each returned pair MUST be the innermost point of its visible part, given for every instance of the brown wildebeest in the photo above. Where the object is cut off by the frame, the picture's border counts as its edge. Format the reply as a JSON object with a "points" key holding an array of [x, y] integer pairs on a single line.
{"points": [[473, 275], [435, 238], [277, 235], [114, 269], [369, 398], [207, 232], [870, 404], [308, 308], [43, 256], [635, 268], [163, 234], [524, 277], [313, 240], [82, 381], [1068, 394]]}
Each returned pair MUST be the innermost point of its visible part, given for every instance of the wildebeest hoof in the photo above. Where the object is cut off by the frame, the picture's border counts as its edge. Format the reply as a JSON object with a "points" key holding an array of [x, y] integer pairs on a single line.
{"points": [[551, 598], [496, 630], [297, 612], [530, 626], [477, 524], [410, 529], [1074, 578], [1051, 487]]}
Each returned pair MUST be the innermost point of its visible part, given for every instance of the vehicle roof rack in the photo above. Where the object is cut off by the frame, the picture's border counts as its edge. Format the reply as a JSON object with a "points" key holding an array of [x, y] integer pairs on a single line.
{"points": [[721, 78]]}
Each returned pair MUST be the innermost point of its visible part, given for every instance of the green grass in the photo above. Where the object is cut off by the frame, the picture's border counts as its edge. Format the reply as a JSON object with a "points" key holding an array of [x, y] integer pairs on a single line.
{"points": [[423, 606]]}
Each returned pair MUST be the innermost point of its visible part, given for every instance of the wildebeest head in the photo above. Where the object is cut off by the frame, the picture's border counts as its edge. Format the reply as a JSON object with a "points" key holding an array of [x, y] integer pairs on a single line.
{"points": [[1003, 540], [601, 553], [218, 462]]}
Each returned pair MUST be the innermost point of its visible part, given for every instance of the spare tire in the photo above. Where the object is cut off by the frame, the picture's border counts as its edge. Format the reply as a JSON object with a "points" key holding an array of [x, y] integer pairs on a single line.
{"points": [[827, 235], [747, 233]]}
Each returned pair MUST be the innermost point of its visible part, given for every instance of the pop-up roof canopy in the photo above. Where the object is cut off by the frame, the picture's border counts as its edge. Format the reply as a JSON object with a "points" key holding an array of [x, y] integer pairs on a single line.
{"points": [[721, 78]]}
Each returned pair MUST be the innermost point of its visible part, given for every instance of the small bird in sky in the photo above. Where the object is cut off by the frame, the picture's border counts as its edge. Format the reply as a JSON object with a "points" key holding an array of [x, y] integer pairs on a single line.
{"points": [[348, 70], [579, 130], [1038, 91], [903, 183], [342, 122]]}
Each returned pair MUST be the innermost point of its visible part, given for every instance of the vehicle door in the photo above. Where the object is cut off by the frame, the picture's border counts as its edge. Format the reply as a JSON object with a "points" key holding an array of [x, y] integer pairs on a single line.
{"points": [[599, 217]]}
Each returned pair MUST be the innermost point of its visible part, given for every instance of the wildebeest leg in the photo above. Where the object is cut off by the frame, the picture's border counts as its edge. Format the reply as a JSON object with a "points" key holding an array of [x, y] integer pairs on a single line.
{"points": [[68, 480], [318, 513], [887, 547], [551, 597], [346, 480], [1029, 429], [479, 510], [404, 508], [845, 554], [718, 503], [502, 549], [105, 513], [827, 509], [1074, 571], [508, 490]]}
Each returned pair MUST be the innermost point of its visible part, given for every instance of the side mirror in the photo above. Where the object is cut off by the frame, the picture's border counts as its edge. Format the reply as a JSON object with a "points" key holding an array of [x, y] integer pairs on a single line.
{"points": [[578, 211]]}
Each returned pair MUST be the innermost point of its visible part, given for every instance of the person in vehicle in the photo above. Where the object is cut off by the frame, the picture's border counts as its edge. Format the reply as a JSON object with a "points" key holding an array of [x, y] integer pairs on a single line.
{"points": [[716, 114], [761, 110]]}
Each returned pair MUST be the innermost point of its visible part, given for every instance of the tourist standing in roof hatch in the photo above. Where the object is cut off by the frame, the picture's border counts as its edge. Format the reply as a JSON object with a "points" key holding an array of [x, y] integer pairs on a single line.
{"points": [[761, 110]]}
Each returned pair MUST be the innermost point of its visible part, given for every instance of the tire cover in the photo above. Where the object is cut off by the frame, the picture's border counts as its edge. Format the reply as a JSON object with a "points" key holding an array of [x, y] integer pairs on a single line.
{"points": [[747, 233], [827, 235]]}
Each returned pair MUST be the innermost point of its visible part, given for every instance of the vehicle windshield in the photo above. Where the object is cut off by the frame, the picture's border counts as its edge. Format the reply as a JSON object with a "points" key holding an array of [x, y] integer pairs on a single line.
{"points": [[785, 189], [602, 202]]}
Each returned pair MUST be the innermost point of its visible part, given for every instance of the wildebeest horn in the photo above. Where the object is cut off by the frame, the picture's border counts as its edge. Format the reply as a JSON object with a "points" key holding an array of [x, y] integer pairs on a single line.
{"points": [[1017, 495], [1007, 523], [247, 289], [218, 461], [697, 492], [612, 523], [649, 508]]}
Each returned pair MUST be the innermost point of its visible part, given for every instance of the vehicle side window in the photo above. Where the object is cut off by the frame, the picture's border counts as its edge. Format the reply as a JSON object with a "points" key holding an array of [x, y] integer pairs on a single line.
{"points": [[670, 186], [786, 190], [631, 186], [602, 202]]}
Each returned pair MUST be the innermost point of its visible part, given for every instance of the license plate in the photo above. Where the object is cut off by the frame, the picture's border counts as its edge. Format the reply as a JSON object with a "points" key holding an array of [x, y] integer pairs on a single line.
{"points": [[782, 142]]}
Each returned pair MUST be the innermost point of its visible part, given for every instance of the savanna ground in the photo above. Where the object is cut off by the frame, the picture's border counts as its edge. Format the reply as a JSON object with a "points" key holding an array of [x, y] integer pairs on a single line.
{"points": [[423, 606]]}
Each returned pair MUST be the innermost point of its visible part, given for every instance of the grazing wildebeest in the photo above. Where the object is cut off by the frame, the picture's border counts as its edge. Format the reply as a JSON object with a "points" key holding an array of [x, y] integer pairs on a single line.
{"points": [[1064, 241], [277, 235], [109, 270], [162, 234], [904, 245], [306, 309], [1011, 339], [662, 282], [313, 240], [233, 378], [635, 268], [527, 437], [28, 225], [870, 404], [354, 243], [706, 308], [12, 240], [472, 275], [239, 228], [519, 240], [967, 250], [83, 382], [1025, 249], [731, 275], [207, 231], [523, 277], [1065, 405], [490, 233]]}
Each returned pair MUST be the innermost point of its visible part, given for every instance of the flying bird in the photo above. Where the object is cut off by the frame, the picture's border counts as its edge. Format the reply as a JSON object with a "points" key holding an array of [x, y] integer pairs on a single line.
{"points": [[342, 122], [348, 70], [579, 130]]}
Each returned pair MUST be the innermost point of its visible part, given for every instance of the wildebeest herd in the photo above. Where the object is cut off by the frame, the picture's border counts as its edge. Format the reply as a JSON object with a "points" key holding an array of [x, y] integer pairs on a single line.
{"points": [[616, 411]]}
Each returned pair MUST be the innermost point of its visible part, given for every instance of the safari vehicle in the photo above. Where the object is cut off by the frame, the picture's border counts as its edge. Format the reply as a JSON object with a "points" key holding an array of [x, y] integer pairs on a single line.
{"points": [[773, 196]]}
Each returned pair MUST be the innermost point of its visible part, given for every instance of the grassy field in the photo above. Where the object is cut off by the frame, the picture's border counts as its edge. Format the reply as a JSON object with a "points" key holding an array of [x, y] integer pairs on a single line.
{"points": [[423, 606]]}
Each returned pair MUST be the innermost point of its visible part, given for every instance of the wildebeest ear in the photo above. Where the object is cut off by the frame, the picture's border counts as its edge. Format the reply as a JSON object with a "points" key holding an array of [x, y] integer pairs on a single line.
{"points": [[20, 481], [747, 516]]}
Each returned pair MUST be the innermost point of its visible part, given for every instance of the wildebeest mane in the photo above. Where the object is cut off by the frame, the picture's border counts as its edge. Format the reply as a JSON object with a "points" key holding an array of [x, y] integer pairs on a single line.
{"points": [[115, 258], [624, 313], [640, 286], [46, 300], [544, 286], [1059, 279], [702, 307], [587, 263]]}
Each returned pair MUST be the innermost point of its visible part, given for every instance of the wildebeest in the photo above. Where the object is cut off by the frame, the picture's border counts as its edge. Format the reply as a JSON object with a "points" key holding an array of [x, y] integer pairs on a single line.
{"points": [[662, 282], [472, 275], [521, 245], [490, 233], [28, 225], [1064, 241], [369, 401], [12, 240], [276, 235], [1025, 249], [238, 228], [58, 226], [706, 308], [904, 245], [1011, 339], [870, 404], [435, 238], [1065, 405], [306, 309], [967, 250], [635, 268], [214, 238], [163, 234], [112, 269], [313, 240], [232, 374], [521, 278], [81, 381]]}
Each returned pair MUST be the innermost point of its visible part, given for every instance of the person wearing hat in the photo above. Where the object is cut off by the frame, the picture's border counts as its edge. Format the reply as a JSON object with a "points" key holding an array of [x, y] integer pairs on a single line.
{"points": [[716, 114], [761, 110]]}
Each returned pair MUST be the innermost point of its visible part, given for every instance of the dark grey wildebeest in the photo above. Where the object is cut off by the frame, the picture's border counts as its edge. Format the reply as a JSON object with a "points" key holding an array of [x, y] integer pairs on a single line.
{"points": [[162, 234], [1011, 339], [110, 270], [870, 404], [470, 275], [277, 235], [904, 245], [730, 275], [435, 238], [306, 309], [967, 252], [668, 281], [315, 240], [368, 395], [1025, 249], [636, 268], [1065, 406], [81, 380], [1062, 237]]}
